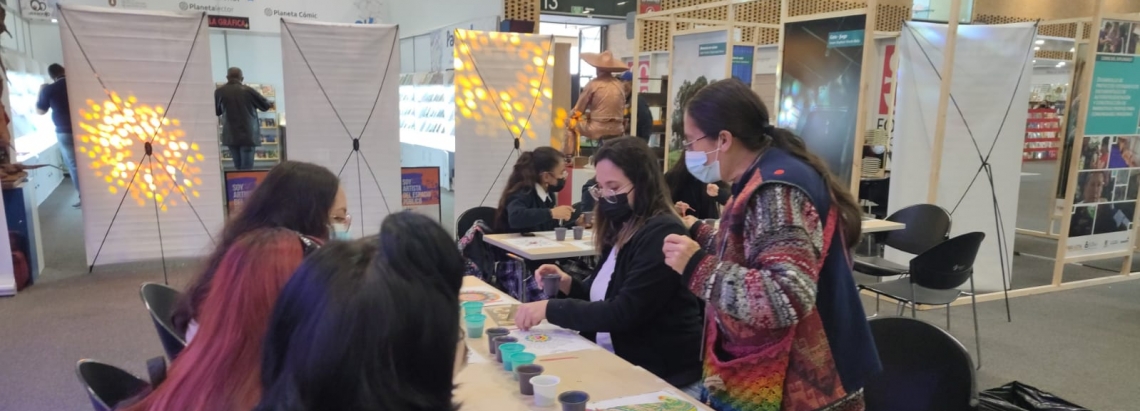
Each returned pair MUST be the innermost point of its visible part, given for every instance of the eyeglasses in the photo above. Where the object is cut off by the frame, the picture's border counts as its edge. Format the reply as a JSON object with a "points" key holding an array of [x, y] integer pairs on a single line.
{"points": [[308, 245], [688, 145], [607, 194], [346, 220]]}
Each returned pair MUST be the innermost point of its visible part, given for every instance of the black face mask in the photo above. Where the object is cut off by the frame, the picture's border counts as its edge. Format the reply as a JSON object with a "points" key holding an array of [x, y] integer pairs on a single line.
{"points": [[618, 212], [557, 187]]}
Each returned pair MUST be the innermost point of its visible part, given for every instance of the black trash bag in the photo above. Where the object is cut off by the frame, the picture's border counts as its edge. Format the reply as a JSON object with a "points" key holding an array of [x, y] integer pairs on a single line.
{"points": [[1016, 396]]}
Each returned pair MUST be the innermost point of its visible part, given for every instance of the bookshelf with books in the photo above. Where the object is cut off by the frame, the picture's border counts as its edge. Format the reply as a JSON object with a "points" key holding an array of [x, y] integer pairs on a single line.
{"points": [[1042, 135], [271, 127]]}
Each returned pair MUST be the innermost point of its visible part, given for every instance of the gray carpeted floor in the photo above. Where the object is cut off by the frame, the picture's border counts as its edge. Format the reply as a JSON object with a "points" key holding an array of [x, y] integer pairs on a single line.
{"points": [[1078, 344]]}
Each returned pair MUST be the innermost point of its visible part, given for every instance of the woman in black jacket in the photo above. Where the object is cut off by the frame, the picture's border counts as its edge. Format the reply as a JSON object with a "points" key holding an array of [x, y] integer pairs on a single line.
{"points": [[633, 305], [528, 204], [695, 197]]}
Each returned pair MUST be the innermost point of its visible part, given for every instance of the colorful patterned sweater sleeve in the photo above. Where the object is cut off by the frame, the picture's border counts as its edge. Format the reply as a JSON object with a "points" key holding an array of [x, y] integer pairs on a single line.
{"points": [[776, 285]]}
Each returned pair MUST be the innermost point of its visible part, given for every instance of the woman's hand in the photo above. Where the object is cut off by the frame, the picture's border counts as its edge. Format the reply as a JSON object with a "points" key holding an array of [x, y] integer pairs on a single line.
{"points": [[682, 207], [530, 314], [562, 213], [712, 190], [564, 279], [689, 220], [679, 250]]}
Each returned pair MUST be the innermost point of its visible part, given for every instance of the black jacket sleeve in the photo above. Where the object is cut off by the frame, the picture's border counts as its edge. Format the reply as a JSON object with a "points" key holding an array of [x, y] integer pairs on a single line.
{"points": [[259, 101], [521, 215], [218, 102], [647, 284], [724, 193]]}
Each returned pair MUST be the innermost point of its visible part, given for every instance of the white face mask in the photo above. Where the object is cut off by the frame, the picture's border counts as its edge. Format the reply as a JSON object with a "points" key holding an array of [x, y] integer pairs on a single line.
{"points": [[340, 232], [707, 173]]}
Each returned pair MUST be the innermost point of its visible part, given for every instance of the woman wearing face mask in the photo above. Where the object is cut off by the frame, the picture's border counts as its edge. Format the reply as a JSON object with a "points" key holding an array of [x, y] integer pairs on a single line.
{"points": [[302, 197], [634, 305], [691, 195], [786, 329], [528, 204]]}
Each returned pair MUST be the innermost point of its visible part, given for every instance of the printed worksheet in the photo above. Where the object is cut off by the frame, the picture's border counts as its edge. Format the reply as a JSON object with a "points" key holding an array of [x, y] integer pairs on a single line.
{"points": [[656, 401], [546, 339], [489, 296], [531, 243]]}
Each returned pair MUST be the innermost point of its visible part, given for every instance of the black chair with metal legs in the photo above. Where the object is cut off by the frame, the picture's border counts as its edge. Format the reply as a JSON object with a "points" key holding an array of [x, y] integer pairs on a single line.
{"points": [[935, 276], [927, 225], [924, 369], [469, 217], [107, 385], [160, 300]]}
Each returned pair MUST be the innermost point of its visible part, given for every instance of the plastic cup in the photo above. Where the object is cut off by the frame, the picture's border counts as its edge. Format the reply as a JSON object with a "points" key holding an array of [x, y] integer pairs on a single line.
{"points": [[493, 333], [525, 372], [498, 342], [560, 233], [475, 325], [545, 389], [520, 359], [507, 350], [472, 307], [588, 217], [579, 232], [550, 284], [573, 400]]}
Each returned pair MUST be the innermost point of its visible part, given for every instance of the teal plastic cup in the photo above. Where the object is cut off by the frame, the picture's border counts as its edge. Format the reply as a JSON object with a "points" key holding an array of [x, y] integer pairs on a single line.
{"points": [[475, 325], [508, 350], [519, 359], [472, 307]]}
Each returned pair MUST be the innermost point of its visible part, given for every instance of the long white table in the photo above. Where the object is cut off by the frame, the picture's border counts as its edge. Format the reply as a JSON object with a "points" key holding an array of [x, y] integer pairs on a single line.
{"points": [[543, 246], [603, 375]]}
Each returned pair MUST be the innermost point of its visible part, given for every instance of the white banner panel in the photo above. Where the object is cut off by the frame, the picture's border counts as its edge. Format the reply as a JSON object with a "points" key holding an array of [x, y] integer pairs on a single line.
{"points": [[143, 58], [503, 90], [342, 83], [991, 84], [263, 15]]}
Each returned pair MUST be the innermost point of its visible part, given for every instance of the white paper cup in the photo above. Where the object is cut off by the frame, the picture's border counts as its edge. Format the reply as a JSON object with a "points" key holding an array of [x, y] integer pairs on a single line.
{"points": [[545, 390]]}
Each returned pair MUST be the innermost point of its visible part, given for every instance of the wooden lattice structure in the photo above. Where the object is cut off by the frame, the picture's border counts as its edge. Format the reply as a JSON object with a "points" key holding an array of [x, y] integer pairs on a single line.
{"points": [[525, 10]]}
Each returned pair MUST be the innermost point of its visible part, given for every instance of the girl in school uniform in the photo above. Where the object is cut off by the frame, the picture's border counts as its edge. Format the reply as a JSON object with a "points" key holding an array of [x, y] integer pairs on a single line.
{"points": [[528, 204]]}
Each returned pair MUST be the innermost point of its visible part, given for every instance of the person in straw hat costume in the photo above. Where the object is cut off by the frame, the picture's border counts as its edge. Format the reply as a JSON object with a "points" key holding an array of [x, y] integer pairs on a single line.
{"points": [[599, 113]]}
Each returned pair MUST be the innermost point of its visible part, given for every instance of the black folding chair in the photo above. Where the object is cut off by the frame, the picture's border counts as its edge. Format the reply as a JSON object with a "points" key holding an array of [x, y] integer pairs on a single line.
{"points": [[924, 369], [935, 276], [160, 300], [469, 217], [107, 385], [926, 226]]}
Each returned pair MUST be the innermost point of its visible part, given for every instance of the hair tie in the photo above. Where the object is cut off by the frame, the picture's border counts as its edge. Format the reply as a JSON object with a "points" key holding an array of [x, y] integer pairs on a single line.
{"points": [[768, 129]]}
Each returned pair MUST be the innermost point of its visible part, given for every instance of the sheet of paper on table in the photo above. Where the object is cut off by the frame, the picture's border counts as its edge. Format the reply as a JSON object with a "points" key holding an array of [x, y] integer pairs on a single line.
{"points": [[655, 401], [530, 243], [474, 358], [487, 295], [546, 339]]}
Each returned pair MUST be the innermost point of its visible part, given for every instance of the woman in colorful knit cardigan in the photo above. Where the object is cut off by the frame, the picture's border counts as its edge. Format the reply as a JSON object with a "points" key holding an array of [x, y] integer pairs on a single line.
{"points": [[786, 329]]}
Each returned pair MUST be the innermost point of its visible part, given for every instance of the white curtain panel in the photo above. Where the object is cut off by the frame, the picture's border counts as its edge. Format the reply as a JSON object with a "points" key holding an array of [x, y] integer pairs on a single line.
{"points": [[503, 85], [341, 84], [991, 83], [151, 56]]}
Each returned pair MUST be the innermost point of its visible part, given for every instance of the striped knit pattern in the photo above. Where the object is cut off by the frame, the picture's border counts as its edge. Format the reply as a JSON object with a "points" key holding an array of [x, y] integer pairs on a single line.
{"points": [[762, 303]]}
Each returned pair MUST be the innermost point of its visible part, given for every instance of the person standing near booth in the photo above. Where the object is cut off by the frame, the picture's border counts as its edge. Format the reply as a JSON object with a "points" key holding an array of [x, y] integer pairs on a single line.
{"points": [[599, 112], [54, 97], [786, 328], [237, 104], [644, 127]]}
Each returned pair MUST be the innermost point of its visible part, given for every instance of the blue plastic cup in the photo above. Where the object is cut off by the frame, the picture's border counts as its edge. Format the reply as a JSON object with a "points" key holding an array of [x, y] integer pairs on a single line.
{"points": [[475, 325]]}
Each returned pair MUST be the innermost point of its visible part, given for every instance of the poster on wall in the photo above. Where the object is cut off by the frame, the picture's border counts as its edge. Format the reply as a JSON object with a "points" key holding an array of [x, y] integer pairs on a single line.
{"points": [[420, 191], [239, 186], [819, 88], [698, 59], [742, 59], [264, 16], [1074, 113], [1108, 176], [643, 75]]}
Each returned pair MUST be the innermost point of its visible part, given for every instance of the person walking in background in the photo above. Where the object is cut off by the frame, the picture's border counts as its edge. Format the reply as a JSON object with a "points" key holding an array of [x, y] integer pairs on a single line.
{"points": [[644, 117], [237, 104], [54, 97]]}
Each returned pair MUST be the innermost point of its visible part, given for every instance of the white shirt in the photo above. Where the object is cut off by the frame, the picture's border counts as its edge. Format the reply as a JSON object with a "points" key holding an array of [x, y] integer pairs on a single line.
{"points": [[542, 194], [598, 293]]}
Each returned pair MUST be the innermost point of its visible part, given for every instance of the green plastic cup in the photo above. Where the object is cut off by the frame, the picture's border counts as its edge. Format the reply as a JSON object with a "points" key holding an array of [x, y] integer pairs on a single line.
{"points": [[472, 307], [518, 359], [475, 325], [508, 350]]}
